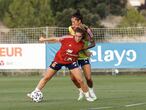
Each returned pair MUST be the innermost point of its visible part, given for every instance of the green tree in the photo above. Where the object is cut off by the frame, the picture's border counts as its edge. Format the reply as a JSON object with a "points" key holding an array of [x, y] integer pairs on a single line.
{"points": [[107, 5], [102, 10], [63, 18], [4, 5], [133, 19], [117, 7], [29, 13], [91, 19], [94, 9], [59, 5]]}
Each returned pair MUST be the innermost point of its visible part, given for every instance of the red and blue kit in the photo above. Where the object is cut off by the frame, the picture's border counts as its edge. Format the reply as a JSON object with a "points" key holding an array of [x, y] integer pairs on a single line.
{"points": [[68, 53]]}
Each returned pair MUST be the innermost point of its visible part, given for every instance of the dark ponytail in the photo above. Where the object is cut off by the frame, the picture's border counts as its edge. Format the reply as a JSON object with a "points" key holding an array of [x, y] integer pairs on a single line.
{"points": [[78, 15]]}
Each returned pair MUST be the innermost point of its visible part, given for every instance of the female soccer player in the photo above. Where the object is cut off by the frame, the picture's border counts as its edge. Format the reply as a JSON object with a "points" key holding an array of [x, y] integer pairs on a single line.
{"points": [[83, 60], [66, 56]]}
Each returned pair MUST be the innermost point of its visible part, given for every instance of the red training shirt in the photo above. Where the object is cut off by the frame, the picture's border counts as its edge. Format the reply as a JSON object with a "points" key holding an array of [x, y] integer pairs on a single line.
{"points": [[68, 52]]}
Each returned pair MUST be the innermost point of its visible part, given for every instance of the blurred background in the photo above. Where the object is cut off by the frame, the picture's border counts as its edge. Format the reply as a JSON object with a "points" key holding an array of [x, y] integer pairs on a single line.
{"points": [[118, 62], [112, 21]]}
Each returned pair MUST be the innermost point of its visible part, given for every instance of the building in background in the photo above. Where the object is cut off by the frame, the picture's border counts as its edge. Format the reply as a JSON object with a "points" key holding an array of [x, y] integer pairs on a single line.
{"points": [[3, 29], [135, 3]]}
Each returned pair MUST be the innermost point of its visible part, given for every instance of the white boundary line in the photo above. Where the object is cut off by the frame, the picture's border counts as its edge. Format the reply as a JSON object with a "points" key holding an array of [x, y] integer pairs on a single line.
{"points": [[100, 108], [130, 105]]}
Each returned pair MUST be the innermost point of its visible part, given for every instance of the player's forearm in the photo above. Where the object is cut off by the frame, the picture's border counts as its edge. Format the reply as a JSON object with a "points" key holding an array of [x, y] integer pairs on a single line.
{"points": [[90, 46], [50, 39]]}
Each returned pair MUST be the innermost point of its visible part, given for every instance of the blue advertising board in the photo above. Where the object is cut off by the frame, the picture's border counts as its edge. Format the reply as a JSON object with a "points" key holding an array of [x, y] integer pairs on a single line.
{"points": [[51, 49], [110, 55]]}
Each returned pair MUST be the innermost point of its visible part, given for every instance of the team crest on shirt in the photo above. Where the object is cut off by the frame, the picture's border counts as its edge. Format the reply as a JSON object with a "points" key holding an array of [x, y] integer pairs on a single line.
{"points": [[69, 51], [69, 59]]}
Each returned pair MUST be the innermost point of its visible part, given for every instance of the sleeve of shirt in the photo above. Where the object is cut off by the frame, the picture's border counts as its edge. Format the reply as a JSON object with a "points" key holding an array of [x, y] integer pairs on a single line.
{"points": [[71, 31], [90, 33], [61, 39]]}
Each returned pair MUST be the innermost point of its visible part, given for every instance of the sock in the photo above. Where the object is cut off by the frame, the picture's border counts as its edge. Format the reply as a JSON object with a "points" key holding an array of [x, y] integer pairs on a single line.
{"points": [[91, 89], [36, 89], [92, 94], [80, 90], [86, 94]]}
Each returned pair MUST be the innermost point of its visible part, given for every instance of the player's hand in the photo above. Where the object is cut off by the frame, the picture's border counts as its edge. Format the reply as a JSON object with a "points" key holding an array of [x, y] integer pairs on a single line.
{"points": [[42, 39], [89, 54]]}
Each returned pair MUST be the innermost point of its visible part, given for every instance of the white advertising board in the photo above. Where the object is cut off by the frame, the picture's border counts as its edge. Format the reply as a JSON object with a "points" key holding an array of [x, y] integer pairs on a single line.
{"points": [[22, 56]]}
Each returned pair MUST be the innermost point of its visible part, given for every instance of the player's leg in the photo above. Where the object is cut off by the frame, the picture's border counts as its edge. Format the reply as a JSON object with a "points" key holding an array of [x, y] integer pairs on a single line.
{"points": [[87, 72], [48, 75], [54, 67], [81, 95], [74, 81], [76, 72]]}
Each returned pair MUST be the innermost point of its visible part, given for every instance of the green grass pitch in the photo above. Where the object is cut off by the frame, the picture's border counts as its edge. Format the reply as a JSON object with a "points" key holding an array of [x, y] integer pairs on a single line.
{"points": [[121, 92]]}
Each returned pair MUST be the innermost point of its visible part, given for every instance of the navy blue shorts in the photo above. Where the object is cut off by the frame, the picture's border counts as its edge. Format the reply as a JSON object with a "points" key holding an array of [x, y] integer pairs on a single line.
{"points": [[83, 62], [57, 66]]}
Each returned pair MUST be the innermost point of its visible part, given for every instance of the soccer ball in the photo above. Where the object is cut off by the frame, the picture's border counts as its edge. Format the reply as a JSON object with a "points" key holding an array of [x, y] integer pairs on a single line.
{"points": [[116, 71], [37, 96]]}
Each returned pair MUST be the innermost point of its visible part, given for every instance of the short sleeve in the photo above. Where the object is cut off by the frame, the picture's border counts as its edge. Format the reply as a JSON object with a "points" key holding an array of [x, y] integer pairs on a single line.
{"points": [[90, 32], [61, 39], [71, 31]]}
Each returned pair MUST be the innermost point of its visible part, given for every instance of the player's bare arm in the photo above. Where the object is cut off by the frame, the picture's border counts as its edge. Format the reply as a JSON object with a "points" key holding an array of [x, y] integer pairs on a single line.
{"points": [[50, 39], [91, 45]]}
